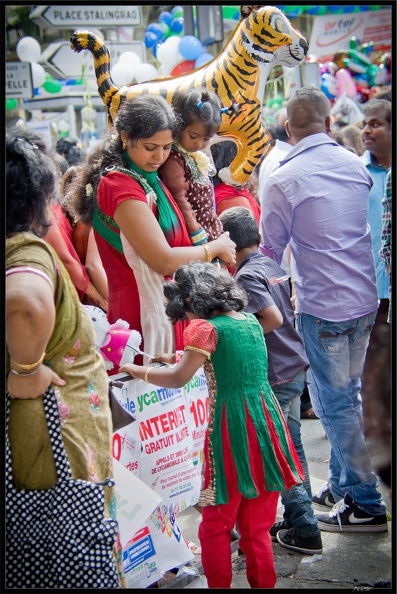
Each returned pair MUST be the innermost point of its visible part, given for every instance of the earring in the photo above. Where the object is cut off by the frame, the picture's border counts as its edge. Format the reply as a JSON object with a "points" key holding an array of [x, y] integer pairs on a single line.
{"points": [[124, 145]]}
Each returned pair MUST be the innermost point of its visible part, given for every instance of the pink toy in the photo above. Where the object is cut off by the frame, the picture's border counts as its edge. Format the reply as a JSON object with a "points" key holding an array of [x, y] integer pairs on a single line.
{"points": [[117, 343]]}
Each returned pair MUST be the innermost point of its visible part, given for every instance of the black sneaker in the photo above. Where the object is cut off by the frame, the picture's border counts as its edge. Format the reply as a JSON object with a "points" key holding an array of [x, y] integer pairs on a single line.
{"points": [[308, 545], [324, 498], [346, 516], [276, 527]]}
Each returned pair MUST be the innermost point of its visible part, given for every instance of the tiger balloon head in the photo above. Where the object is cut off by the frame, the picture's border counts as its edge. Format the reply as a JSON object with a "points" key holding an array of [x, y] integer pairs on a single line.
{"points": [[269, 37], [262, 38]]}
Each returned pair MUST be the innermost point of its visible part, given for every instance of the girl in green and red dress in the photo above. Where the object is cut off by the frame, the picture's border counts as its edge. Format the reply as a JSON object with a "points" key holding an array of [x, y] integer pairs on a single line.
{"points": [[248, 453]]}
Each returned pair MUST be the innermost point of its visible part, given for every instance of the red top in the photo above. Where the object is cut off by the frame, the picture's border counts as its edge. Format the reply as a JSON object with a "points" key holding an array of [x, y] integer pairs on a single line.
{"points": [[114, 188], [59, 236], [228, 196]]}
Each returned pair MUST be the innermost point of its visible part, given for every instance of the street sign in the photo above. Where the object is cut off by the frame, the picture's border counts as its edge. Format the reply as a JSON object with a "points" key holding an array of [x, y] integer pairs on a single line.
{"points": [[77, 16], [66, 63], [19, 84]]}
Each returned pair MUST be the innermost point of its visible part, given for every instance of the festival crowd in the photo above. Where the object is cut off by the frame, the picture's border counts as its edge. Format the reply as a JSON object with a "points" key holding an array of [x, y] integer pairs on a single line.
{"points": [[277, 289]]}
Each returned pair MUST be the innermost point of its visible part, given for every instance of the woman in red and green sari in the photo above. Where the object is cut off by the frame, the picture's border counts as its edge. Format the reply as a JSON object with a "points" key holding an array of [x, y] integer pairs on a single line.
{"points": [[139, 229]]}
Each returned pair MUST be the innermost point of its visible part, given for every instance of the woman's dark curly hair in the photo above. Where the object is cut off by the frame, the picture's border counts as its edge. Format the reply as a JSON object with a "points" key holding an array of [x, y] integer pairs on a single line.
{"points": [[140, 117], [202, 289], [31, 182]]}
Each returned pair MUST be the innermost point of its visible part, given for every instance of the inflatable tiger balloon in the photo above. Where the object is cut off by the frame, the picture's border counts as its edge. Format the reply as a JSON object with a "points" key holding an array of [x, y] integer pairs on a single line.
{"points": [[263, 38]]}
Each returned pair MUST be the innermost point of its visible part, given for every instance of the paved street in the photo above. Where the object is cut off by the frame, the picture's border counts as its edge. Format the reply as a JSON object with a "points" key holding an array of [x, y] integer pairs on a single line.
{"points": [[349, 561]]}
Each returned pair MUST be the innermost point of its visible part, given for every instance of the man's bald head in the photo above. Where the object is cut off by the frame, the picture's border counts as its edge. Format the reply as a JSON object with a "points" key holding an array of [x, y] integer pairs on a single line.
{"points": [[308, 113]]}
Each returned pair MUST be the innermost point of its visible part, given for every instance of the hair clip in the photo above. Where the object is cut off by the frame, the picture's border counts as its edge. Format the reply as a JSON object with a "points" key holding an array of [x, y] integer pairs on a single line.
{"points": [[28, 141], [200, 104], [225, 109]]}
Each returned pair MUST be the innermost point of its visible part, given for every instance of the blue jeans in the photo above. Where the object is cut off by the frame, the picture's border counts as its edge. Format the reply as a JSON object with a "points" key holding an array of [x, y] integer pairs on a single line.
{"points": [[336, 352], [297, 501]]}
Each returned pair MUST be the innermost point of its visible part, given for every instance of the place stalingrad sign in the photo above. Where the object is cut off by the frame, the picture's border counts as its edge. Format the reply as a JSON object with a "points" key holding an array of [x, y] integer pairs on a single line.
{"points": [[77, 16], [19, 83]]}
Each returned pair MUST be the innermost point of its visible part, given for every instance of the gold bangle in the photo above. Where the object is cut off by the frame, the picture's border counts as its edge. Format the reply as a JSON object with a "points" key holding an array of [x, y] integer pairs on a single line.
{"points": [[207, 253], [23, 366], [146, 374], [199, 237]]}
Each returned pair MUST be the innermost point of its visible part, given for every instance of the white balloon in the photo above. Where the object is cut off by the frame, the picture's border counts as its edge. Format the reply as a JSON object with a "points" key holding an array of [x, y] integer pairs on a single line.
{"points": [[130, 57], [28, 49], [144, 72], [165, 70], [122, 73], [38, 75], [168, 52]]}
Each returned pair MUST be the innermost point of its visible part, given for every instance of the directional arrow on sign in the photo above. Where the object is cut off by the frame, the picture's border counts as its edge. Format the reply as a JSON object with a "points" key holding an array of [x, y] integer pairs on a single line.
{"points": [[71, 16], [66, 63]]}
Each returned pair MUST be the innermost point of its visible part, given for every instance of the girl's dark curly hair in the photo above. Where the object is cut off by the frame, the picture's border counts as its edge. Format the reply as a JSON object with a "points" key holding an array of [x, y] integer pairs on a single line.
{"points": [[198, 105], [31, 182], [140, 117], [202, 289]]}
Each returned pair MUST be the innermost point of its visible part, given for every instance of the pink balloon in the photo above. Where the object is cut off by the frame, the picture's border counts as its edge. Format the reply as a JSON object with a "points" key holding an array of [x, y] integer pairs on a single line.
{"points": [[345, 84]]}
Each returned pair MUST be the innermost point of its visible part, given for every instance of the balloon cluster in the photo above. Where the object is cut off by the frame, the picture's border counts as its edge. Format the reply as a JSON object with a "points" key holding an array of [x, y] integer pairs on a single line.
{"points": [[175, 52], [28, 50], [357, 72], [129, 69]]}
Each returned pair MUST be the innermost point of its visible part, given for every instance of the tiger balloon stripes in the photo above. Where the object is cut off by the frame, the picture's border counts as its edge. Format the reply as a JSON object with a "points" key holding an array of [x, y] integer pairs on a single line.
{"points": [[263, 38]]}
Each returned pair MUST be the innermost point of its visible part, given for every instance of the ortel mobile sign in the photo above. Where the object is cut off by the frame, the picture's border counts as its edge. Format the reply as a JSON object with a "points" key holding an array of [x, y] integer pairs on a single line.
{"points": [[332, 33], [77, 16]]}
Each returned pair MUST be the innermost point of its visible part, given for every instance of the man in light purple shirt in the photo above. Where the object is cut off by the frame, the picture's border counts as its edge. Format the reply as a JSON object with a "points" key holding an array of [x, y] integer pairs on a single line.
{"points": [[317, 201]]}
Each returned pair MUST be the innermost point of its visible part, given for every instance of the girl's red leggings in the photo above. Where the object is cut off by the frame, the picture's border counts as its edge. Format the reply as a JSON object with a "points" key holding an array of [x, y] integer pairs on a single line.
{"points": [[254, 518]]}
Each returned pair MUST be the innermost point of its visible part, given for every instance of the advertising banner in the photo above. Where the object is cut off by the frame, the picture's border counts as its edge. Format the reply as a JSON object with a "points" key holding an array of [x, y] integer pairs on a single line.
{"points": [[332, 32], [163, 447]]}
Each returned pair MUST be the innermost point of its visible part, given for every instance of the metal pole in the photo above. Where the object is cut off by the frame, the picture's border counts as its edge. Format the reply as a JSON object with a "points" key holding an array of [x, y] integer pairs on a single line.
{"points": [[188, 20]]}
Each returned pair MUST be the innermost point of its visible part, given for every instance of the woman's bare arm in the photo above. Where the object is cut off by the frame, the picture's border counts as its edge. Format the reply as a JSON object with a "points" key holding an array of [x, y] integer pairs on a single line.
{"points": [[176, 376], [142, 231]]}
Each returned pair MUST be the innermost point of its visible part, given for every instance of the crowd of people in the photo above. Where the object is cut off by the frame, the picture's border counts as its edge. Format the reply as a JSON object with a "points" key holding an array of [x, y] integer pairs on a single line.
{"points": [[277, 289]]}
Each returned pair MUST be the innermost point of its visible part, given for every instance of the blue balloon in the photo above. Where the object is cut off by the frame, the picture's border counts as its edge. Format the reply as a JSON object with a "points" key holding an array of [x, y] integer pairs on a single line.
{"points": [[150, 39], [165, 17], [156, 29], [203, 59], [176, 9], [329, 85], [176, 25], [190, 47], [155, 48]]}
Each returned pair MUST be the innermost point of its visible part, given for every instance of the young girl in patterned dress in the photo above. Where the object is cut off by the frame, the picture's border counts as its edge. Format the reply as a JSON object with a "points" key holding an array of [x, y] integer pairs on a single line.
{"points": [[186, 171], [249, 456]]}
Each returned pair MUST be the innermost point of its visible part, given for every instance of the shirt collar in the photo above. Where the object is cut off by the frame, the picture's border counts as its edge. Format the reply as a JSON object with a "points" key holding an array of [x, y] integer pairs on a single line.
{"points": [[308, 142], [246, 259], [369, 159]]}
